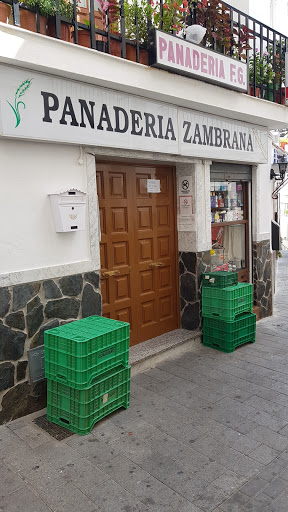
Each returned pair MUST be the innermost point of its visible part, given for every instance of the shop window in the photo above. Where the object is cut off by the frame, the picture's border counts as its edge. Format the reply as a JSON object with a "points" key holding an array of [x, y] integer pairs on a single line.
{"points": [[229, 219]]}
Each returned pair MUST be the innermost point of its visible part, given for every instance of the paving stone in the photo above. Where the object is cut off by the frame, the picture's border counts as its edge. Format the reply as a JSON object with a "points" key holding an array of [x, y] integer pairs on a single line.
{"points": [[32, 435], [283, 474], [19, 456], [236, 440], [24, 499], [269, 437], [235, 421], [267, 420], [142, 485], [132, 447], [83, 474], [13, 425], [260, 503], [229, 482], [253, 486], [42, 478], [9, 481], [55, 453], [67, 497], [92, 447], [268, 406], [279, 505], [283, 459], [234, 503], [271, 471], [275, 488], [107, 431], [210, 472], [264, 454]]}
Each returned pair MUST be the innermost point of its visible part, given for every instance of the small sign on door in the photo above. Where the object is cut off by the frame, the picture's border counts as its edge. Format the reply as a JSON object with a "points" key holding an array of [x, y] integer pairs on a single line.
{"points": [[153, 186]]}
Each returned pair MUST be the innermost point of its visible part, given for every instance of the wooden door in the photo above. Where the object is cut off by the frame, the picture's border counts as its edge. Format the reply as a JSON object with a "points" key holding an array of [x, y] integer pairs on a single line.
{"points": [[138, 248]]}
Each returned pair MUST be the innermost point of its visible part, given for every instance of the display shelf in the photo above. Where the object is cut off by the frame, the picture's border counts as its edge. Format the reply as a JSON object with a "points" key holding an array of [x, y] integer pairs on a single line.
{"points": [[229, 223]]}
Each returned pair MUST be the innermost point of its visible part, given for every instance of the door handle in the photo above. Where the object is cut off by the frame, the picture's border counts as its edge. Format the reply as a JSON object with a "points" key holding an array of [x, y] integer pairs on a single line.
{"points": [[154, 265], [111, 273]]}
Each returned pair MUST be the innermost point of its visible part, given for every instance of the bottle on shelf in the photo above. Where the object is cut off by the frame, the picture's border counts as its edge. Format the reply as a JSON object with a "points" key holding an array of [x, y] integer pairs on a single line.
{"points": [[220, 201]]}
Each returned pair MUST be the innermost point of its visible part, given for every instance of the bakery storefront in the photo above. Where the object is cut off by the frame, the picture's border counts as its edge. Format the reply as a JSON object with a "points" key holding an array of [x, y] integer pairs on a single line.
{"points": [[165, 185]]}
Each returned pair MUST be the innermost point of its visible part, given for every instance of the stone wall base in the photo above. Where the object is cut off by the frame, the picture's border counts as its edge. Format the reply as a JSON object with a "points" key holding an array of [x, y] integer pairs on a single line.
{"points": [[26, 311], [191, 267], [262, 278]]}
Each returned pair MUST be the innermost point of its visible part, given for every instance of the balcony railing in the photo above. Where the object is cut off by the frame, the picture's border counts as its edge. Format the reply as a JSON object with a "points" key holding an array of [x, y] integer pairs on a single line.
{"points": [[123, 28]]}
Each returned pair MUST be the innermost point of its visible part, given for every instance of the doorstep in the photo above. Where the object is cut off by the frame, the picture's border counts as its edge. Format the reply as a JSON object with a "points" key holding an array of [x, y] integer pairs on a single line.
{"points": [[172, 344]]}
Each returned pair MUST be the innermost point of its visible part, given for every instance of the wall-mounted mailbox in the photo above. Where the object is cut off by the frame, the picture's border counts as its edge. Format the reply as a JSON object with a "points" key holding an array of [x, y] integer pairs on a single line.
{"points": [[69, 210]]}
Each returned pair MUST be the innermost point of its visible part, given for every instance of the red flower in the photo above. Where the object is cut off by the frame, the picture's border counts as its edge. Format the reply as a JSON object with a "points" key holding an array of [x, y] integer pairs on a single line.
{"points": [[165, 6]]}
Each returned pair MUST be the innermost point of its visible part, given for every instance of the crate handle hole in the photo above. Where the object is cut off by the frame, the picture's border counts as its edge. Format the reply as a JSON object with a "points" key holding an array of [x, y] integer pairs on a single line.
{"points": [[65, 421], [61, 377]]}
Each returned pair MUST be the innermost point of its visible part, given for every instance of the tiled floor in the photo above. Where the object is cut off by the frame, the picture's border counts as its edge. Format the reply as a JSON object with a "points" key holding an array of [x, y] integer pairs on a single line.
{"points": [[206, 432]]}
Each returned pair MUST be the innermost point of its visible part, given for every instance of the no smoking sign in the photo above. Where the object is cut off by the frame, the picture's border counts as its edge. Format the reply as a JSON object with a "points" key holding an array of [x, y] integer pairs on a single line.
{"points": [[185, 205]]}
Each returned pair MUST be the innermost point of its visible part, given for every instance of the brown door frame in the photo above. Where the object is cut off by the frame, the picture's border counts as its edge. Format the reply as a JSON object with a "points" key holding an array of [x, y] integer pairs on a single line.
{"points": [[129, 162]]}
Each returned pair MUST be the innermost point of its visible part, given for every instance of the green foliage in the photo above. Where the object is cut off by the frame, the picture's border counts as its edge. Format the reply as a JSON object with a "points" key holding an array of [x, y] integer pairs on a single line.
{"points": [[46, 7], [137, 13], [66, 9], [174, 15], [263, 69], [277, 57]]}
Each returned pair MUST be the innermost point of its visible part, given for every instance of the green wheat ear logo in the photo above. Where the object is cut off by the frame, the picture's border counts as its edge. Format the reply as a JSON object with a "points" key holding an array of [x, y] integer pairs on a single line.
{"points": [[19, 93]]}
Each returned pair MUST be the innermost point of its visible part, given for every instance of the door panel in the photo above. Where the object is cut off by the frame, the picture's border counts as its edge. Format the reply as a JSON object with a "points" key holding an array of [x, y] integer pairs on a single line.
{"points": [[138, 249]]}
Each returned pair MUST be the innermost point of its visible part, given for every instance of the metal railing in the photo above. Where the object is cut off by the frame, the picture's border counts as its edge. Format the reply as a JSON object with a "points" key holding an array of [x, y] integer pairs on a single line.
{"points": [[122, 28]]}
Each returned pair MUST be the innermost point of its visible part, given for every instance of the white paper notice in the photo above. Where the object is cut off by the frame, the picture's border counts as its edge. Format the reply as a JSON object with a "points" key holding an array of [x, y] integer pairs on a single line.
{"points": [[186, 223], [185, 205], [153, 186]]}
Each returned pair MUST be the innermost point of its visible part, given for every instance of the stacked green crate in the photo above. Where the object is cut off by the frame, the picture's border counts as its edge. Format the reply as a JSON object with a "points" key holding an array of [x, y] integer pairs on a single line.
{"points": [[227, 305], [87, 371]]}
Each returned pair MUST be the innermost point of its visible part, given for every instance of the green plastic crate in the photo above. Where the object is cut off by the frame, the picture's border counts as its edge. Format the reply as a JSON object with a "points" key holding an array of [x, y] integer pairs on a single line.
{"points": [[79, 410], [76, 353], [227, 303], [219, 279], [226, 336]]}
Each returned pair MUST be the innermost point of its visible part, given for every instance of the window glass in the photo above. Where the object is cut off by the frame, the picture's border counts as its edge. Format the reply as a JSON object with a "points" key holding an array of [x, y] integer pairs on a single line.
{"points": [[228, 240], [229, 245], [226, 201]]}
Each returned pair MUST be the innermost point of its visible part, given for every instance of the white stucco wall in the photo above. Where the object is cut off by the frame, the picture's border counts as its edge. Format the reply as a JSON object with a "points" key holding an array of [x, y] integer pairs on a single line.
{"points": [[30, 248], [262, 211]]}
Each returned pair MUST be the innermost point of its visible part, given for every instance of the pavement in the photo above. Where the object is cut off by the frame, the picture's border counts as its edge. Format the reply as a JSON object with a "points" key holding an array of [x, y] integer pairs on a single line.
{"points": [[206, 431]]}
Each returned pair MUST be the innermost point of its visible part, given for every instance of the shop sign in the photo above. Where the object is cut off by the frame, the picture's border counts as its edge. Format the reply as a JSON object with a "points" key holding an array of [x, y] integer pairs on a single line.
{"points": [[186, 58], [46, 108]]}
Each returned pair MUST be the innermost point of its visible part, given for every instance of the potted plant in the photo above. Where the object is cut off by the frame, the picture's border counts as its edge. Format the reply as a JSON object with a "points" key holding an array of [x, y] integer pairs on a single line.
{"points": [[220, 33], [277, 56], [66, 11], [84, 38], [172, 19], [137, 16], [28, 18], [261, 68], [5, 10], [106, 19]]}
